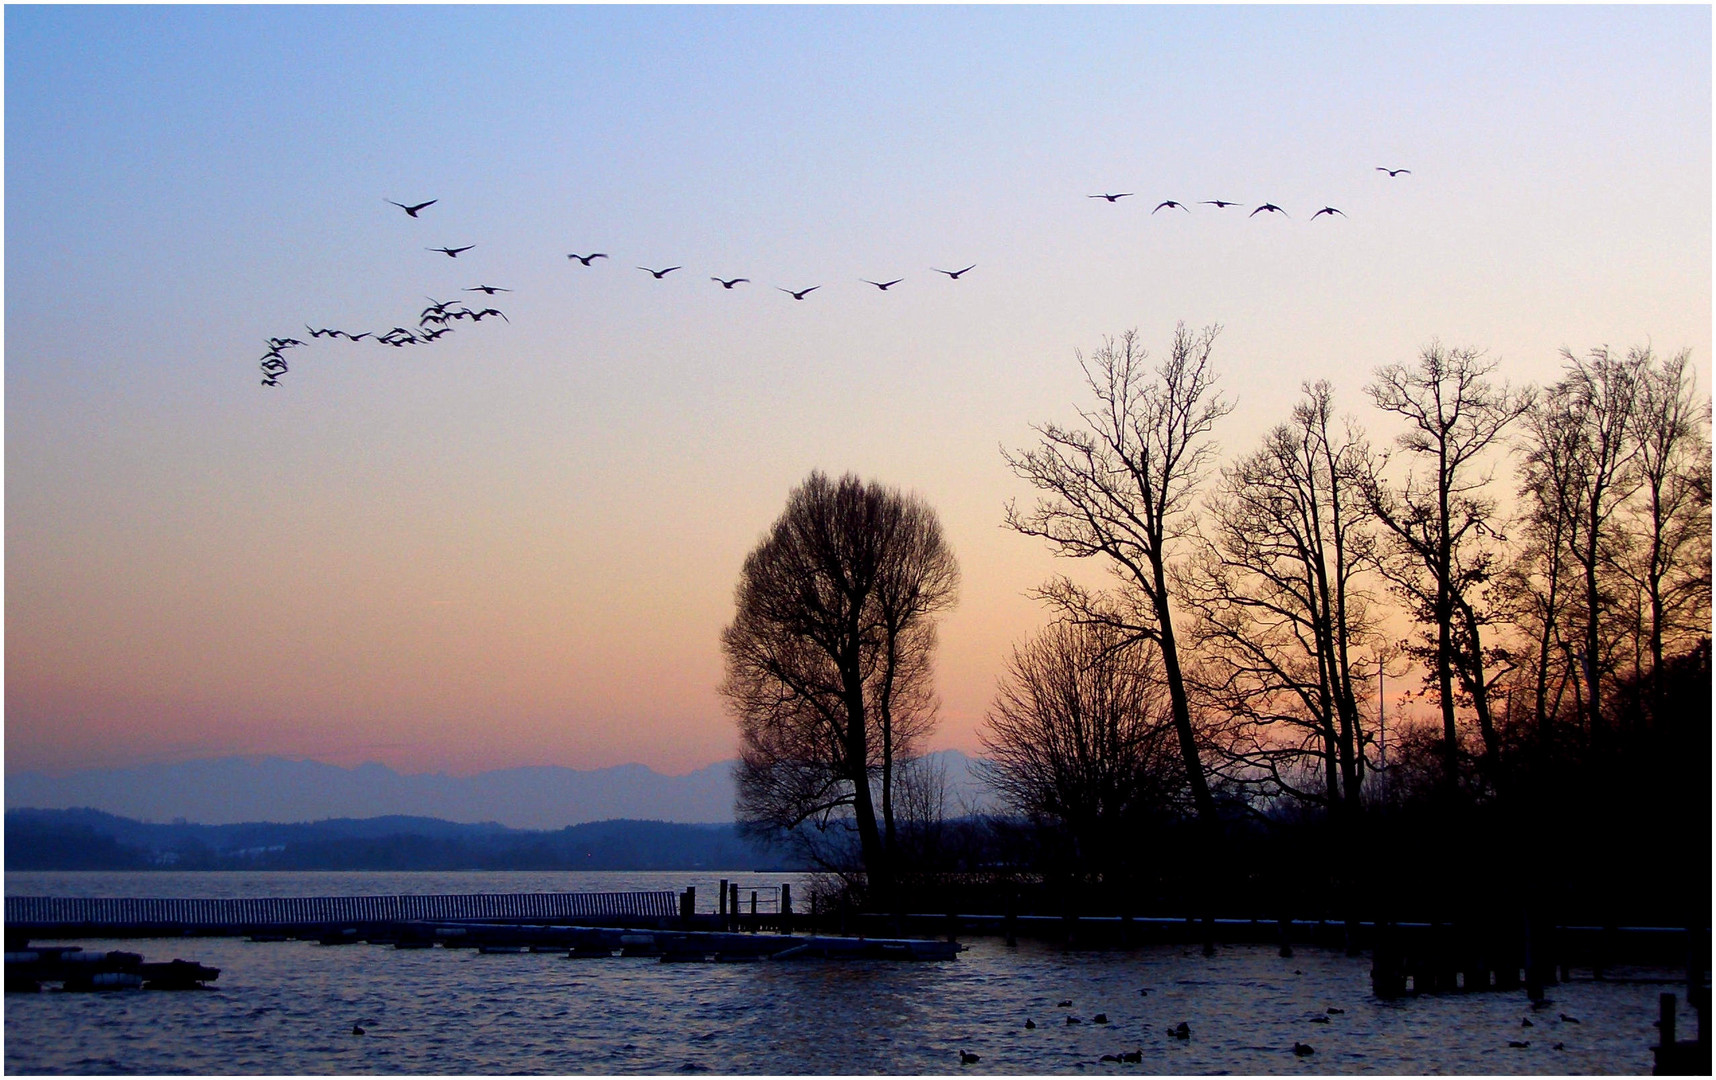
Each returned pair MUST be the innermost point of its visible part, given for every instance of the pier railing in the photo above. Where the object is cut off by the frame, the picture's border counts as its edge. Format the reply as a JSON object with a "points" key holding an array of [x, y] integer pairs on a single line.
{"points": [[24, 911]]}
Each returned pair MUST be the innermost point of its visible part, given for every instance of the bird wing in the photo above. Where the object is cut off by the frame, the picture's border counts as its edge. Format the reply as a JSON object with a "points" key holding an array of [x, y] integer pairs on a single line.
{"points": [[420, 206]]}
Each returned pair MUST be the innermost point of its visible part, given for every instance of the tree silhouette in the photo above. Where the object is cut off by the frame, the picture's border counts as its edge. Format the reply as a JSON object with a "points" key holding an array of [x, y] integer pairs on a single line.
{"points": [[829, 660]]}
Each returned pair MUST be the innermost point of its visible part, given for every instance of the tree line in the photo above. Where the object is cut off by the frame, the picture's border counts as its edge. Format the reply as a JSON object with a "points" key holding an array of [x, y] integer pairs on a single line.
{"points": [[1499, 615]]}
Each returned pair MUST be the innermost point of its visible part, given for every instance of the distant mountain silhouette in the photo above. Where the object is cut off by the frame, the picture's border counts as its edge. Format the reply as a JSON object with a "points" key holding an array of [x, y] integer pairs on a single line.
{"points": [[225, 791], [80, 839]]}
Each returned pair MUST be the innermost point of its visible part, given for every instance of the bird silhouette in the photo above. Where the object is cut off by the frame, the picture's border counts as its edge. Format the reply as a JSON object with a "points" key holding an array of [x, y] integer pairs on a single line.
{"points": [[954, 274], [431, 335], [321, 333], [1525, 1021], [1183, 1031], [1332, 1011], [489, 289], [1171, 204], [283, 342], [1030, 1023], [356, 1030], [1393, 172], [799, 294], [1099, 1018], [585, 259], [451, 253], [1063, 1004], [1517, 1045], [1113, 197], [1220, 204], [1321, 1020], [477, 316], [1326, 210], [966, 1057], [412, 210], [356, 337], [725, 284], [659, 274], [1565, 1019], [1303, 1050], [1271, 207], [883, 285]]}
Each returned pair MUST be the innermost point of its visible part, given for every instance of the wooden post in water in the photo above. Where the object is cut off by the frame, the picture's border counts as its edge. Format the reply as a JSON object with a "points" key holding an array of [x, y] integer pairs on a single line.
{"points": [[786, 907], [753, 911], [733, 906], [688, 903], [721, 908], [1533, 961]]}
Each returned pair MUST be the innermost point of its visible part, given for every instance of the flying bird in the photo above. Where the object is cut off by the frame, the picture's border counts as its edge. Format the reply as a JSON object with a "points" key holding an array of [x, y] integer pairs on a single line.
{"points": [[431, 335], [451, 253], [277, 343], [883, 285], [1219, 204], [659, 274], [489, 289], [1393, 172], [729, 284], [1326, 210], [801, 293], [412, 210], [585, 259], [954, 274], [1271, 207], [477, 316], [1113, 197], [1170, 203]]}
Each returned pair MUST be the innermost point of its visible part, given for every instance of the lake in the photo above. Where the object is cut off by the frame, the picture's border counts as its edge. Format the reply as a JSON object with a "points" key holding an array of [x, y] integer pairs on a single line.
{"points": [[289, 1007]]}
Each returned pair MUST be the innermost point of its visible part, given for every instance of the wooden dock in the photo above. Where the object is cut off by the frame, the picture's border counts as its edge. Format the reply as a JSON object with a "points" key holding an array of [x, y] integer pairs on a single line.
{"points": [[583, 925], [80, 917]]}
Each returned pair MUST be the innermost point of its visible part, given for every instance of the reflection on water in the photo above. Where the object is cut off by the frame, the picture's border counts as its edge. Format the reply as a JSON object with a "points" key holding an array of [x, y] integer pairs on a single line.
{"points": [[289, 1008]]}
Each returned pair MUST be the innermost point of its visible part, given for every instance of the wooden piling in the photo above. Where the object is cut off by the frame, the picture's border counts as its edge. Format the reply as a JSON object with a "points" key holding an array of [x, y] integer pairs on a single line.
{"points": [[733, 906], [786, 907], [721, 897], [753, 911]]}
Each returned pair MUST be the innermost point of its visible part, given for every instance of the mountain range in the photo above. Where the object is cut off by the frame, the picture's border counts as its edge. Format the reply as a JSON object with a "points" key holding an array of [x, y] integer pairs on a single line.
{"points": [[226, 791]]}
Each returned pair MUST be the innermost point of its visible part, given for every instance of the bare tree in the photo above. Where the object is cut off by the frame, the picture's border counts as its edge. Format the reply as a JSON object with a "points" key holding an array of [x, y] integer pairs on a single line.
{"points": [[1441, 520], [1592, 410], [1080, 740], [1672, 562], [1283, 625], [1120, 488], [829, 660]]}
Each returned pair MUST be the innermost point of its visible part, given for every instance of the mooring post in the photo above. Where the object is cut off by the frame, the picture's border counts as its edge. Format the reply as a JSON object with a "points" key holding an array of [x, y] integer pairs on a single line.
{"points": [[733, 906], [786, 907], [688, 903], [721, 907], [1533, 961], [753, 911]]}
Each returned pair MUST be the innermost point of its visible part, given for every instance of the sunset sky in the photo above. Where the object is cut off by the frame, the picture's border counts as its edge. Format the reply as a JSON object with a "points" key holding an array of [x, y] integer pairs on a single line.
{"points": [[518, 545]]}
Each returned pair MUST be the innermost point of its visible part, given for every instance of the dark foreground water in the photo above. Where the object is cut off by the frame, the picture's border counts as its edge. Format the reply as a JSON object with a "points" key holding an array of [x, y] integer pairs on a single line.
{"points": [[289, 1007]]}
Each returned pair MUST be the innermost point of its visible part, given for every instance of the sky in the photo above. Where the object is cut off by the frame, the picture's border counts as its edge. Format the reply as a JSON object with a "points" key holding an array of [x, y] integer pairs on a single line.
{"points": [[518, 545]]}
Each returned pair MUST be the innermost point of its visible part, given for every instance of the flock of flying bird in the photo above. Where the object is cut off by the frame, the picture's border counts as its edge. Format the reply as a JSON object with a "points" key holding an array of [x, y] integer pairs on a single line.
{"points": [[435, 321]]}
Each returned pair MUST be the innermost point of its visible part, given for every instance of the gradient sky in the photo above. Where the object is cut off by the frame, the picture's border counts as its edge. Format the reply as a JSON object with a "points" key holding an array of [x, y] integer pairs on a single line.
{"points": [[519, 545]]}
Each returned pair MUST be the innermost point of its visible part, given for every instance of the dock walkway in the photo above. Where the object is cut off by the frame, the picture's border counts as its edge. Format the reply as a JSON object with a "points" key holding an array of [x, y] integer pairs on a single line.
{"points": [[54, 916]]}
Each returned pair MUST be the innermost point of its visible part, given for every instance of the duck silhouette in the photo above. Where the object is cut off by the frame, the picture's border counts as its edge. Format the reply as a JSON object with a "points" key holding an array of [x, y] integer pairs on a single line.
{"points": [[1303, 1049], [966, 1057], [1183, 1031]]}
